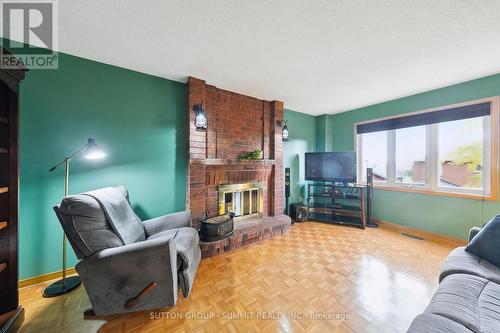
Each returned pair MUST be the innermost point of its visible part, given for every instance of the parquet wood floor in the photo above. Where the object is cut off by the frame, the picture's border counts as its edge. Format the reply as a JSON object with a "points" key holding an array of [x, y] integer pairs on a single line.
{"points": [[372, 280]]}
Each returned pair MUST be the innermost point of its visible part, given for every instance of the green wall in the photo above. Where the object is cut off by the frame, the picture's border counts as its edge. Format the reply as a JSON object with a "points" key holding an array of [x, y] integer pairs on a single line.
{"points": [[302, 129], [321, 132], [444, 215], [324, 133], [139, 120]]}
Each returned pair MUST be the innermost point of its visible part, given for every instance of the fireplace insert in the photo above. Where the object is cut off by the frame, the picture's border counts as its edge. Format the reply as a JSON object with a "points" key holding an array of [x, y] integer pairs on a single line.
{"points": [[216, 228], [243, 200]]}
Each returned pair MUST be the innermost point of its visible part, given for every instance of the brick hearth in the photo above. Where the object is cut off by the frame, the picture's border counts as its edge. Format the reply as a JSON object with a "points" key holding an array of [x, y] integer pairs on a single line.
{"points": [[236, 124], [248, 232]]}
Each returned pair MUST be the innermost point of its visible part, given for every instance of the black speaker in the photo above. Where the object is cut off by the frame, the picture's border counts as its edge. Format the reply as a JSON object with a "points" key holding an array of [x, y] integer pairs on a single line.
{"points": [[298, 212], [287, 182], [287, 189], [369, 177], [369, 198]]}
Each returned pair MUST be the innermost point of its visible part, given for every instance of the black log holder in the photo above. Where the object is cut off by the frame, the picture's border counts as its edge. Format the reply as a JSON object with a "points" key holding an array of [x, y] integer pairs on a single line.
{"points": [[216, 228]]}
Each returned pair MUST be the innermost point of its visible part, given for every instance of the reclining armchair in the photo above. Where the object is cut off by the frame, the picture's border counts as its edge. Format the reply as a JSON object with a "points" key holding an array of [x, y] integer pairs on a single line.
{"points": [[126, 264]]}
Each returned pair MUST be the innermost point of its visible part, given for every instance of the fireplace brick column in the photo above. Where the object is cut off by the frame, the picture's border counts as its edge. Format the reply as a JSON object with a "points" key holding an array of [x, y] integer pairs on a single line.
{"points": [[197, 140], [277, 150], [196, 187], [236, 124]]}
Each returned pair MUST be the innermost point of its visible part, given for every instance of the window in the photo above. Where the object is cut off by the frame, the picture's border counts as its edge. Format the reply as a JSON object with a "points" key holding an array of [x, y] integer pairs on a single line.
{"points": [[374, 148], [410, 155], [450, 150], [461, 146]]}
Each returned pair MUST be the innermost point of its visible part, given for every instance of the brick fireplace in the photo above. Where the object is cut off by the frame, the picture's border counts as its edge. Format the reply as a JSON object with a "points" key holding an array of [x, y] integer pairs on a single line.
{"points": [[236, 124]]}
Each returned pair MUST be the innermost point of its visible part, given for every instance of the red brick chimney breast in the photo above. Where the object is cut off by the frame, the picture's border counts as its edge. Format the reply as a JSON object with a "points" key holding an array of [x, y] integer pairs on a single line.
{"points": [[236, 124]]}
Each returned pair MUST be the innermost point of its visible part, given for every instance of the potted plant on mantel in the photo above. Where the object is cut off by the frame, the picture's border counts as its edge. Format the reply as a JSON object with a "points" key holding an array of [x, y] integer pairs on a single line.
{"points": [[256, 154]]}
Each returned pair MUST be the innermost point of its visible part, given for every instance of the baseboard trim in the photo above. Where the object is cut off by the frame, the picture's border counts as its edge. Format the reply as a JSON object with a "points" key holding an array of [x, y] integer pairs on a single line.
{"points": [[45, 277], [428, 235]]}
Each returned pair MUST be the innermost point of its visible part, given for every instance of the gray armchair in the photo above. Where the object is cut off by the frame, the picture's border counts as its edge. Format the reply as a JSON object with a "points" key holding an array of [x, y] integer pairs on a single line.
{"points": [[127, 264]]}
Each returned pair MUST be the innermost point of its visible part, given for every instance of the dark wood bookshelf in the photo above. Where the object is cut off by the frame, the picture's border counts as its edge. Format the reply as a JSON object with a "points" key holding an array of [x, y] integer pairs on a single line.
{"points": [[11, 314]]}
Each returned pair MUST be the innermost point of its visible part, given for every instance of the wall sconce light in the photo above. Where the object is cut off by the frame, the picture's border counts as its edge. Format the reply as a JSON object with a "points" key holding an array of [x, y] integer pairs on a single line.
{"points": [[284, 131], [200, 118]]}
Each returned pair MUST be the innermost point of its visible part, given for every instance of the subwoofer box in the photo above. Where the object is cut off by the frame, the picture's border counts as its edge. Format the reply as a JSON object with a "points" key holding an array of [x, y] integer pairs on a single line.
{"points": [[298, 212]]}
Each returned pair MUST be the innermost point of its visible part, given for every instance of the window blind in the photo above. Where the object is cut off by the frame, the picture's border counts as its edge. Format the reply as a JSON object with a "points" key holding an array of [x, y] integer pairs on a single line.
{"points": [[433, 117]]}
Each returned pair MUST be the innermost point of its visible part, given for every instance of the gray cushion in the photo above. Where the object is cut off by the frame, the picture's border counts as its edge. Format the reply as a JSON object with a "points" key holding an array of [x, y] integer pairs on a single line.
{"points": [[431, 323], [186, 275], [486, 244], [167, 234], [119, 214], [468, 300], [188, 254], [85, 225], [461, 261], [167, 222], [186, 242]]}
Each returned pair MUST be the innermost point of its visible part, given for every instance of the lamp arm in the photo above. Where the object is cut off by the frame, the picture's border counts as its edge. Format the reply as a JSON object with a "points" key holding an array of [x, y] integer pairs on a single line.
{"points": [[69, 157]]}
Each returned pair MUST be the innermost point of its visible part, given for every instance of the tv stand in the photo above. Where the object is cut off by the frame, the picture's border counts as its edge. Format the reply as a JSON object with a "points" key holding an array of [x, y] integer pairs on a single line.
{"points": [[334, 203]]}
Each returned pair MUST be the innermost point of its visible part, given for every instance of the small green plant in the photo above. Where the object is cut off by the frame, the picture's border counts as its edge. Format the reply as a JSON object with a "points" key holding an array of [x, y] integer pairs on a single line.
{"points": [[253, 155]]}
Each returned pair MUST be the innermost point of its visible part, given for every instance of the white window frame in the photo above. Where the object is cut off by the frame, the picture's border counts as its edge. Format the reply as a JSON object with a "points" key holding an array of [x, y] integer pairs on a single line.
{"points": [[431, 185]]}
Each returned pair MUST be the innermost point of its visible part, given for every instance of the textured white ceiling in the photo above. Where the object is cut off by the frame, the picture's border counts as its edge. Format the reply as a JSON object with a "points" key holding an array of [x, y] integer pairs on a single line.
{"points": [[318, 56]]}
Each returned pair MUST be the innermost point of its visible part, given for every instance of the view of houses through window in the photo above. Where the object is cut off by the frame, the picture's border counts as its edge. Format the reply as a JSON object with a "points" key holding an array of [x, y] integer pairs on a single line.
{"points": [[448, 156], [461, 153]]}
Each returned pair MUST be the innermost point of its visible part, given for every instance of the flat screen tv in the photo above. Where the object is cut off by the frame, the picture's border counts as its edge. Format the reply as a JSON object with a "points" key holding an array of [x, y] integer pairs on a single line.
{"points": [[331, 167]]}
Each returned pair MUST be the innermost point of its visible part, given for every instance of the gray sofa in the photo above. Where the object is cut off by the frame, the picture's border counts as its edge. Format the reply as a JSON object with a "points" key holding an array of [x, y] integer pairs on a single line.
{"points": [[128, 264], [467, 299]]}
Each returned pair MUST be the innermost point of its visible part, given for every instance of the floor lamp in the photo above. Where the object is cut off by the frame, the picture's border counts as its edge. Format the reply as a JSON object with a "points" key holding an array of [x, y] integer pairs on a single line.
{"points": [[67, 284]]}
